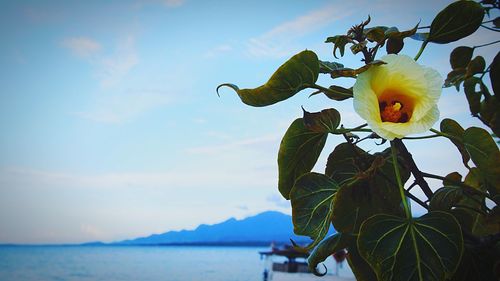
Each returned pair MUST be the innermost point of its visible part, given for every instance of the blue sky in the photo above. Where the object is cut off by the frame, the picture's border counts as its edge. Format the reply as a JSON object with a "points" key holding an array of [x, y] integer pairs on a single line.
{"points": [[111, 127]]}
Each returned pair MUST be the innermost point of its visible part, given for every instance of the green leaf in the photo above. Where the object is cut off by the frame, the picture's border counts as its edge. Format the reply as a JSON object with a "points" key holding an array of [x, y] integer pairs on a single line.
{"points": [[473, 179], [346, 161], [361, 269], [298, 73], [349, 72], [475, 66], [376, 33], [451, 127], [490, 111], [327, 66], [455, 77], [393, 32], [299, 150], [460, 57], [375, 191], [312, 199], [445, 198], [495, 75], [325, 121], [326, 248], [485, 154], [473, 97], [452, 178], [336, 93], [359, 47], [428, 248], [339, 42], [394, 45], [458, 20], [478, 263], [496, 22]]}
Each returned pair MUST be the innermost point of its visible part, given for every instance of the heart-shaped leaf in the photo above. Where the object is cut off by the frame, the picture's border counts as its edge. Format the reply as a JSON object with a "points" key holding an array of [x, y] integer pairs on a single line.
{"points": [[298, 73], [485, 154], [299, 151], [478, 263], [428, 248], [394, 45], [458, 20], [312, 200], [495, 75], [460, 57], [375, 191], [346, 161], [475, 66], [452, 128], [325, 121], [361, 269]]}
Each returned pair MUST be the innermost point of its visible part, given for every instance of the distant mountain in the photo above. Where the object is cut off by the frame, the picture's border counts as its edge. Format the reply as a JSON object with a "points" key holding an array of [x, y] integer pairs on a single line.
{"points": [[261, 229]]}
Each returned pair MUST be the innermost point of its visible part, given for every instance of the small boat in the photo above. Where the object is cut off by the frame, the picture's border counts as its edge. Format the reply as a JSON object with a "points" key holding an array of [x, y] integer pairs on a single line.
{"points": [[289, 263]]}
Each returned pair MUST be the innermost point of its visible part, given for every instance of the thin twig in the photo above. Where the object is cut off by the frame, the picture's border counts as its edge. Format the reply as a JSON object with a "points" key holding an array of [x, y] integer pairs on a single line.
{"points": [[413, 168], [496, 30], [487, 44]]}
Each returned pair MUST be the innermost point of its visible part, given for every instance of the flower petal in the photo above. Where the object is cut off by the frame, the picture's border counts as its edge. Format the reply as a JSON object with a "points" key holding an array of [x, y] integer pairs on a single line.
{"points": [[400, 77]]}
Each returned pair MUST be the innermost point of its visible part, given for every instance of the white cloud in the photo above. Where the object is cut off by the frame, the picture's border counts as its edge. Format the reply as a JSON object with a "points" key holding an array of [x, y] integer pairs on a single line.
{"points": [[221, 177], [119, 108], [110, 69], [82, 46], [277, 42], [113, 69]]}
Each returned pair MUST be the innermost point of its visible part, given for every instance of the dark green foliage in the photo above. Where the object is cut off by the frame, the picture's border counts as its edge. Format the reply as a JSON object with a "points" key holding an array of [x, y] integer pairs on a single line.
{"points": [[428, 248], [312, 204], [299, 151], [364, 194], [460, 19], [298, 73], [325, 121]]}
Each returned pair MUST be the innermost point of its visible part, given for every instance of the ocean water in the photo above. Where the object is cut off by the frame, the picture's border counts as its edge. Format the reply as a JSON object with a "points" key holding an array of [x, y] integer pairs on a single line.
{"points": [[59, 263]]}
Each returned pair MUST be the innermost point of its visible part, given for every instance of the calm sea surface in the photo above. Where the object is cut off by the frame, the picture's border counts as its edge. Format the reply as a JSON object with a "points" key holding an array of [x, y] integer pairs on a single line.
{"points": [[131, 263]]}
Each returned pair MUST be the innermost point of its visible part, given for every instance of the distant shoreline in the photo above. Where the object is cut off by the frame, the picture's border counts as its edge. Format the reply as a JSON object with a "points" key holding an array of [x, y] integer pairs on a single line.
{"points": [[251, 244]]}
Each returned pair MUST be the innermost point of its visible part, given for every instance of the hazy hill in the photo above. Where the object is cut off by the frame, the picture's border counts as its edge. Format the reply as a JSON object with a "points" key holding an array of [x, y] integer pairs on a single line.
{"points": [[261, 229]]}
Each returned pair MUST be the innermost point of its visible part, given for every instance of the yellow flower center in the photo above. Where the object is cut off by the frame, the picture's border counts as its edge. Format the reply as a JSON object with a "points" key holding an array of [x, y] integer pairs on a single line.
{"points": [[395, 107]]}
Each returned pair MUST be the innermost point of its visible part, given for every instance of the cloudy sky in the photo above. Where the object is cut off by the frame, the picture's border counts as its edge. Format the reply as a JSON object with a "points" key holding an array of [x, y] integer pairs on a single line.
{"points": [[111, 127]]}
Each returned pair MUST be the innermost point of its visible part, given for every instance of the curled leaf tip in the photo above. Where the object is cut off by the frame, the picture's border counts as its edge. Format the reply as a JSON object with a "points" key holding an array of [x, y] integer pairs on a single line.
{"points": [[367, 21], [232, 86], [320, 274]]}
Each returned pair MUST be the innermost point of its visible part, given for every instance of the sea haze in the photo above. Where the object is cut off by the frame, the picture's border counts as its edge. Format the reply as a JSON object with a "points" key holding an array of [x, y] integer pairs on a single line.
{"points": [[175, 263]]}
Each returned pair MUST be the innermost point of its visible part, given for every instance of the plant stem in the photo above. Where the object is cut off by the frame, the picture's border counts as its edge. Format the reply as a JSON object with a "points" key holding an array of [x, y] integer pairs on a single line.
{"points": [[445, 135], [496, 30], [413, 168], [418, 201], [325, 90], [421, 138], [471, 188], [398, 178], [421, 50], [487, 44]]}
